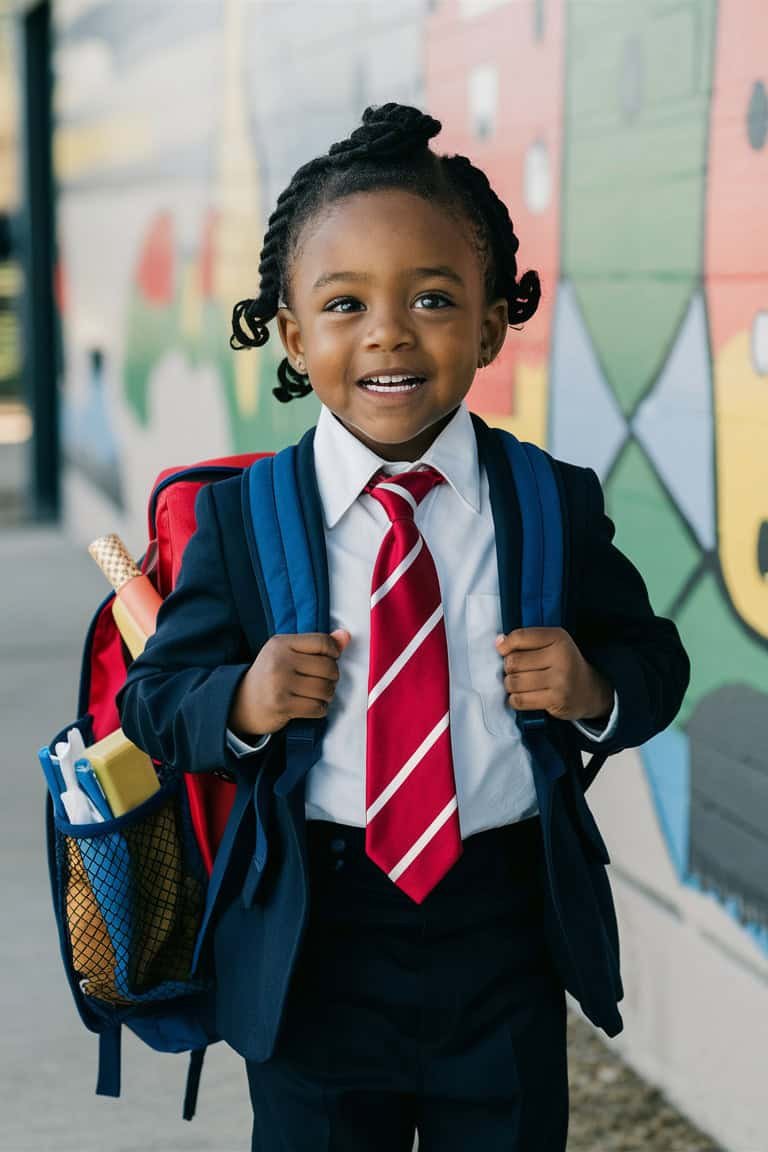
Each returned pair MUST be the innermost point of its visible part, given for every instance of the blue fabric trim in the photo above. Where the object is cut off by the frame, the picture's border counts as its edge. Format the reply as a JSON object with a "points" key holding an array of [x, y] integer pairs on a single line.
{"points": [[108, 1082], [269, 545], [542, 560], [294, 541], [193, 1082], [532, 576], [551, 521]]}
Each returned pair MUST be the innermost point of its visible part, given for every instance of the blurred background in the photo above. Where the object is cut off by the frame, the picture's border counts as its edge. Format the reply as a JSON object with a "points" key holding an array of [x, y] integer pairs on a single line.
{"points": [[143, 144]]}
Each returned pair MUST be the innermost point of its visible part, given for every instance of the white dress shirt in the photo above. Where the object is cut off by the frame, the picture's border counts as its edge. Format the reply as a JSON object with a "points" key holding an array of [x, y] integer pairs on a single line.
{"points": [[494, 780]]}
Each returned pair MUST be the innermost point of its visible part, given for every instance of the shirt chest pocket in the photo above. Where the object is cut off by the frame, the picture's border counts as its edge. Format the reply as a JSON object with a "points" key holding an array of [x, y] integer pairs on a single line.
{"points": [[486, 671]]}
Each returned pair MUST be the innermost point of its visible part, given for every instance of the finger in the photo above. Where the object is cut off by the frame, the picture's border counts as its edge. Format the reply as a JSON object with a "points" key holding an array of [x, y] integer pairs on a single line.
{"points": [[527, 638], [314, 643], [342, 637], [302, 706], [530, 701], [527, 682], [312, 687], [529, 660], [326, 667]]}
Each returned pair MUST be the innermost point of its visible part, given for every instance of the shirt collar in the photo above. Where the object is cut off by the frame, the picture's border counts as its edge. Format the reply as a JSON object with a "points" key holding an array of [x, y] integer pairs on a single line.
{"points": [[344, 465]]}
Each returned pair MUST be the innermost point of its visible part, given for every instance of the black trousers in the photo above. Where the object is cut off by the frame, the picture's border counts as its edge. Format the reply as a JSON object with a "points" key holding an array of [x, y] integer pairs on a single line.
{"points": [[444, 1018]]}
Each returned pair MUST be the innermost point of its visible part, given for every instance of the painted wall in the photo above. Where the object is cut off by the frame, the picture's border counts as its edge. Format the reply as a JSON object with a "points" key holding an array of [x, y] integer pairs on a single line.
{"points": [[630, 142]]}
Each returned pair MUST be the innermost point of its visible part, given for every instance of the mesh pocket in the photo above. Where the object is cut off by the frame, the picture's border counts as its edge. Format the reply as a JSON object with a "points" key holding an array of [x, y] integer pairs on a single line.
{"points": [[132, 902]]}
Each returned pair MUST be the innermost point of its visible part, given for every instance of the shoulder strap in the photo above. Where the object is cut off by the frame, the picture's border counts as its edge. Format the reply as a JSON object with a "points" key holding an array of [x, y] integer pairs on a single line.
{"points": [[542, 567], [279, 547], [542, 571]]}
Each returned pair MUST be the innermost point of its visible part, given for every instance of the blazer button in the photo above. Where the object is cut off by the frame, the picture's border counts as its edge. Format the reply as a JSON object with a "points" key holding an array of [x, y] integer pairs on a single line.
{"points": [[337, 846]]}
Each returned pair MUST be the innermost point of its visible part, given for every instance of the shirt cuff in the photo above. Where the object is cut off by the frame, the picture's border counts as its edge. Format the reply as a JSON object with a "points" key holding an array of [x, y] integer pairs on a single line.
{"points": [[598, 735], [241, 747]]}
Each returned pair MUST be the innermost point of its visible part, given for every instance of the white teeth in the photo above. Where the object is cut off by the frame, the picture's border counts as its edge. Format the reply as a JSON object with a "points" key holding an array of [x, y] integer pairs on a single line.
{"points": [[390, 387], [390, 383], [386, 379]]}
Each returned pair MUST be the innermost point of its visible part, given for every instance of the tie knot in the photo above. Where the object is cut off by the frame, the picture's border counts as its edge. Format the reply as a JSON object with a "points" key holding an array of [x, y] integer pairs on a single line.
{"points": [[401, 494]]}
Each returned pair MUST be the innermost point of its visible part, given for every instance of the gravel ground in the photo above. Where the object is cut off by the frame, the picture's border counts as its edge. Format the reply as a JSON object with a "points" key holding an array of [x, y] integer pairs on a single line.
{"points": [[613, 1110]]}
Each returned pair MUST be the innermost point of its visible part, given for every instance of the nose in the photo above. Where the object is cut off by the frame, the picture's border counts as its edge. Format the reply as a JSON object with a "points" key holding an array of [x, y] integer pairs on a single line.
{"points": [[390, 326]]}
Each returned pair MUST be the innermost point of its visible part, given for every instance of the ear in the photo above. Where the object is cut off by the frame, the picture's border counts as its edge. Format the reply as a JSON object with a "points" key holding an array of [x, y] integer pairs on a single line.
{"points": [[493, 330], [290, 334]]}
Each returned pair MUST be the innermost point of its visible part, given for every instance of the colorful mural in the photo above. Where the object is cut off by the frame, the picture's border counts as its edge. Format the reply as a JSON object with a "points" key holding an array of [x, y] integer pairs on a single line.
{"points": [[630, 143], [657, 344]]}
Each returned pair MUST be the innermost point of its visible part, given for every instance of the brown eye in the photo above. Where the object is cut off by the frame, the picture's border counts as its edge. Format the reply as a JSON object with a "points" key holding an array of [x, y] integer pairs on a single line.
{"points": [[442, 300], [334, 304]]}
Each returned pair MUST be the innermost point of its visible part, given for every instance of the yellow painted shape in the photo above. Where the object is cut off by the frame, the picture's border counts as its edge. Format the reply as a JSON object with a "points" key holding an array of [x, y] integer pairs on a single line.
{"points": [[741, 438], [529, 421], [247, 384], [108, 144]]}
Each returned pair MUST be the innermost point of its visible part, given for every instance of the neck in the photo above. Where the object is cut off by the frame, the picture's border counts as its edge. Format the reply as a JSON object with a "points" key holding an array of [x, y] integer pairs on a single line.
{"points": [[404, 450]]}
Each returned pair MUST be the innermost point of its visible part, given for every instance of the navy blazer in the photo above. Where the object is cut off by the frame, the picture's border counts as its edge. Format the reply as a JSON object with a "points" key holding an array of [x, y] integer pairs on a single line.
{"points": [[178, 694]]}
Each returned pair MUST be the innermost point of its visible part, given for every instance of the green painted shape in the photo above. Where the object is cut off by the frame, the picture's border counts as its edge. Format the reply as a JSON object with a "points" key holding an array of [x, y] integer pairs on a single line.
{"points": [[638, 83], [649, 529], [720, 648], [149, 332], [272, 425]]}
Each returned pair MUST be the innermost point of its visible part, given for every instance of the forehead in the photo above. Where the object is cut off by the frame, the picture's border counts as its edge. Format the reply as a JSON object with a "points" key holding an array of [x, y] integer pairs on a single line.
{"points": [[384, 230]]}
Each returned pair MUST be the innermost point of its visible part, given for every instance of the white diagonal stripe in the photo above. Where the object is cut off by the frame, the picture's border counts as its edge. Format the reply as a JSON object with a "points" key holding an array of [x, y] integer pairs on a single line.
{"points": [[407, 768], [400, 491], [414, 643], [424, 839], [397, 572]]}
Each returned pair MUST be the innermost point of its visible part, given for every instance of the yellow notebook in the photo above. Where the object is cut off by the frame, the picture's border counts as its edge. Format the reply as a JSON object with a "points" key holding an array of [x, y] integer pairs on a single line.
{"points": [[126, 774]]}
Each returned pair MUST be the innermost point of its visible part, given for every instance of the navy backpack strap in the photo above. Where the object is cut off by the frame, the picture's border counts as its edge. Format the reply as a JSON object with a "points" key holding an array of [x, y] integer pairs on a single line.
{"points": [[193, 1082], [108, 1082], [541, 571], [283, 565]]}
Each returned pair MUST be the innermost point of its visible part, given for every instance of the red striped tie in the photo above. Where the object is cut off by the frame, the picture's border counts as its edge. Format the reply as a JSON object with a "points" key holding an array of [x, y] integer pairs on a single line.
{"points": [[412, 823]]}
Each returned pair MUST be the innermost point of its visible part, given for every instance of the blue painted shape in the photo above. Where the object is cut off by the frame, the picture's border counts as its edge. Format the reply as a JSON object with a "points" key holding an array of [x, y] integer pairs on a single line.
{"points": [[587, 426], [680, 405], [666, 759], [667, 765]]}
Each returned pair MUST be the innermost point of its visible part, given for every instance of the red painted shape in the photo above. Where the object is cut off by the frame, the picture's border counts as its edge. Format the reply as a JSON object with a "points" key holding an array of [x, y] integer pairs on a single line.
{"points": [[154, 275], [530, 100], [736, 252]]}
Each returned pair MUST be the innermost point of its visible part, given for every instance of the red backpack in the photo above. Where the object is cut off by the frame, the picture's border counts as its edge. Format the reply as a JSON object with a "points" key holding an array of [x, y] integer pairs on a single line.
{"points": [[170, 523], [129, 893]]}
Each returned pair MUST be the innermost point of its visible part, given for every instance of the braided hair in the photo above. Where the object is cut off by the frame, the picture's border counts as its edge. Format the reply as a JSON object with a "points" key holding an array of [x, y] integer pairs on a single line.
{"points": [[390, 150]]}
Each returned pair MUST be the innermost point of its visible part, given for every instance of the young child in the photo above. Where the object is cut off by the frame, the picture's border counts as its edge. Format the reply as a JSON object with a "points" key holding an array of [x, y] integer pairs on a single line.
{"points": [[403, 964]]}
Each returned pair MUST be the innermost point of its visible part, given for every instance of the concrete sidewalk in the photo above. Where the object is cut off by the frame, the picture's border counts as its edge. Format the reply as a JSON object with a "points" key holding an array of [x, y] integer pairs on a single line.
{"points": [[48, 591]]}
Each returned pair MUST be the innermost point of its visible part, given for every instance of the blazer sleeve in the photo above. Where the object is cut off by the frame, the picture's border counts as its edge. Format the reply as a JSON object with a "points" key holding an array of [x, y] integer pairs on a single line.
{"points": [[176, 700], [613, 624]]}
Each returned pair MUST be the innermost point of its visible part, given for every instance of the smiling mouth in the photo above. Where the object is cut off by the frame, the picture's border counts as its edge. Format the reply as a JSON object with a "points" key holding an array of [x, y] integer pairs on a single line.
{"points": [[408, 385]]}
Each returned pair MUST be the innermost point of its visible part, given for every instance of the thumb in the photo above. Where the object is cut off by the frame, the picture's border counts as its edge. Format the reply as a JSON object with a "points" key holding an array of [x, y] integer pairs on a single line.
{"points": [[342, 637]]}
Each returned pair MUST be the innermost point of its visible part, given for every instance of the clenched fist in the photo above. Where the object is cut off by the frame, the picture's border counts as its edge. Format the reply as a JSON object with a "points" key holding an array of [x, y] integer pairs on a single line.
{"points": [[544, 669], [294, 675]]}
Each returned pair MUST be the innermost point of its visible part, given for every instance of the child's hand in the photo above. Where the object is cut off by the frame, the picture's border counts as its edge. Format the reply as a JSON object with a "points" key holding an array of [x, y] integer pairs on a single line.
{"points": [[293, 675], [545, 670]]}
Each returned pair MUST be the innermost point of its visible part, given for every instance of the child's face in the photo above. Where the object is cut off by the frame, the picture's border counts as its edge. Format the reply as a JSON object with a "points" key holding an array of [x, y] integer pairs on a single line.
{"points": [[382, 312]]}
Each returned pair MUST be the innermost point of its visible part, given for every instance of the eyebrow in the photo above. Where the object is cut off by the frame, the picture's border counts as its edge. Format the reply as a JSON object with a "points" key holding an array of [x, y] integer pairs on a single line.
{"points": [[441, 270]]}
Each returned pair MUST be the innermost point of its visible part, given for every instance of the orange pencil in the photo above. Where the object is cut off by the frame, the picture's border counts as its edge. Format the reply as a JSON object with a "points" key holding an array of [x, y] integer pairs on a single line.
{"points": [[137, 601]]}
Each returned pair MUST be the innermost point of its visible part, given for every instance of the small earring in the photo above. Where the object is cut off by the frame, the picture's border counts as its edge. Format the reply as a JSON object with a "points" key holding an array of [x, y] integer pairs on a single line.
{"points": [[300, 366]]}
